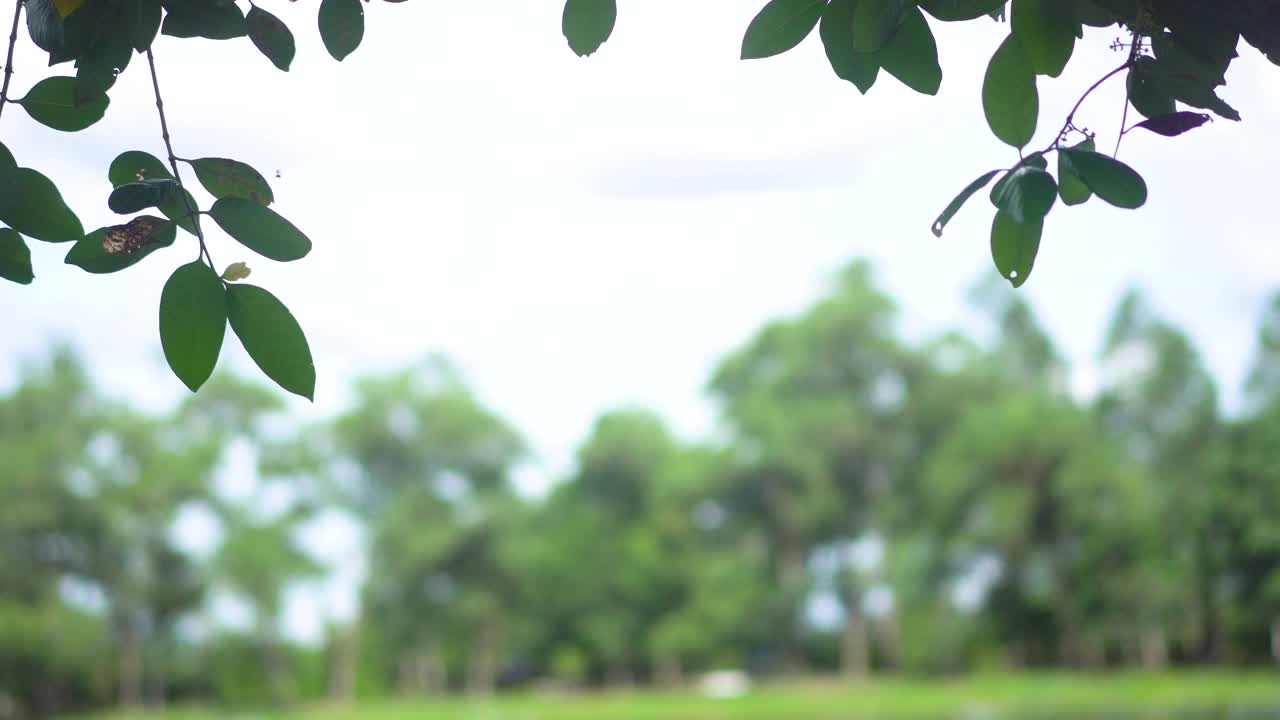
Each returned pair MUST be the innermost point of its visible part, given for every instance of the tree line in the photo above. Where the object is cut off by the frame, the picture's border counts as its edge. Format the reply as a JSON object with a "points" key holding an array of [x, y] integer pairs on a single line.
{"points": [[868, 504]]}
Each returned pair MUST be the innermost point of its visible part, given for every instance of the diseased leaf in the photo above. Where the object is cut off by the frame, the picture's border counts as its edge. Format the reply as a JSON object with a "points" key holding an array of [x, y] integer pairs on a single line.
{"points": [[780, 26], [960, 200], [15, 258], [272, 337], [587, 24], [231, 178], [260, 229], [193, 321], [1014, 246], [271, 36], [111, 249]]}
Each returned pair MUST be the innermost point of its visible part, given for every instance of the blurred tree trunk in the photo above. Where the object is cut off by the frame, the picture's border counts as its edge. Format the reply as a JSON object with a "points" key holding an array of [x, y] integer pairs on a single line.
{"points": [[855, 641], [888, 639], [346, 658], [1275, 639], [132, 665], [791, 579], [482, 668], [667, 671], [422, 670], [618, 675], [279, 677], [1154, 648]]}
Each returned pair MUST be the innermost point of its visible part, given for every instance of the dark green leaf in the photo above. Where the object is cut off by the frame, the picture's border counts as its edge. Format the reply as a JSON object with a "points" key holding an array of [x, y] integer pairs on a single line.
{"points": [[1071, 188], [260, 229], [836, 32], [134, 165], [1094, 15], [1026, 194], [132, 197], [1009, 96], [960, 200], [875, 22], [193, 321], [587, 24], [44, 25], [780, 26], [1047, 29], [1109, 179], [341, 26], [90, 253], [15, 258], [97, 69], [231, 178], [959, 10], [1035, 160], [271, 36], [52, 103], [36, 209], [912, 55], [1145, 91], [272, 337], [203, 18], [143, 21], [1014, 246], [8, 173]]}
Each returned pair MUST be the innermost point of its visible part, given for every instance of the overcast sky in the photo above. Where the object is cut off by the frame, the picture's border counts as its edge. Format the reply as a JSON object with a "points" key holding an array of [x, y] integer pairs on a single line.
{"points": [[583, 233]]}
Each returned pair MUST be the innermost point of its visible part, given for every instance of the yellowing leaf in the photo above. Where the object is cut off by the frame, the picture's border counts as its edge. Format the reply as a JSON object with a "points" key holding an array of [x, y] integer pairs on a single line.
{"points": [[66, 7]]}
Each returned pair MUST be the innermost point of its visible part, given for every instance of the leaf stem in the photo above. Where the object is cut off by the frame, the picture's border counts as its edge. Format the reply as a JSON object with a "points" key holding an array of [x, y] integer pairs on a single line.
{"points": [[1135, 49], [8, 61], [173, 163]]}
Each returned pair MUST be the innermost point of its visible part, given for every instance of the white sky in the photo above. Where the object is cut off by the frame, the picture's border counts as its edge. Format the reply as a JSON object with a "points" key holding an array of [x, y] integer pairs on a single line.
{"points": [[579, 234]]}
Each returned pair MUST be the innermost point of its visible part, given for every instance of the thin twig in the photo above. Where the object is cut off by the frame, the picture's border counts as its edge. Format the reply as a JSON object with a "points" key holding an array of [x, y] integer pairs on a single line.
{"points": [[192, 213], [1135, 49], [1071, 117], [8, 62]]}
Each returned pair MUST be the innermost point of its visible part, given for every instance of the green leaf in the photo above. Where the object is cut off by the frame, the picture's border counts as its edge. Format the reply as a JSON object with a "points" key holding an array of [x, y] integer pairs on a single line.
{"points": [[132, 197], [36, 209], [912, 55], [875, 22], [91, 255], [836, 32], [587, 24], [8, 173], [135, 165], [193, 321], [260, 229], [1071, 188], [97, 69], [203, 18], [960, 200], [960, 10], [143, 21], [1035, 160], [1014, 246], [1145, 91], [780, 26], [1009, 96], [1091, 14], [1047, 29], [44, 25], [52, 103], [15, 258], [1026, 194], [1108, 178], [341, 26], [223, 177], [272, 337], [271, 36]]}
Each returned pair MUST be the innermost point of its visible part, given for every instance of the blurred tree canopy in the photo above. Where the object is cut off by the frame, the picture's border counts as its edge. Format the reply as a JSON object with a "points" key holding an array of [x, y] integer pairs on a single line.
{"points": [[870, 502]]}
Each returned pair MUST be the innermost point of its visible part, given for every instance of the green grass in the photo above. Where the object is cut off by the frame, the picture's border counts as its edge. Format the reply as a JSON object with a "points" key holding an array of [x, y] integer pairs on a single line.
{"points": [[981, 697]]}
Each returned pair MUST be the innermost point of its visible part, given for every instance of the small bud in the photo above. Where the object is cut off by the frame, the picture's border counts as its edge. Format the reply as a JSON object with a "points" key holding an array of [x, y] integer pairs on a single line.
{"points": [[236, 271], [130, 237]]}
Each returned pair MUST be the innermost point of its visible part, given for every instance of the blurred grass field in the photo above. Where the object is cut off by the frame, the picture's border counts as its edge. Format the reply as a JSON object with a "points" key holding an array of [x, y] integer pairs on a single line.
{"points": [[979, 697]]}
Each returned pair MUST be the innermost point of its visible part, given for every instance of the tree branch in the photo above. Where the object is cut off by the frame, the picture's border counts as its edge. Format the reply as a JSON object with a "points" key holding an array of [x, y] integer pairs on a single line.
{"points": [[8, 62], [1070, 125], [173, 163]]}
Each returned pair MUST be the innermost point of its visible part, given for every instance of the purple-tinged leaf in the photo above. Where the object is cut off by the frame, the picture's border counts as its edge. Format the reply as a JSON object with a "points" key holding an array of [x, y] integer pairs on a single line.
{"points": [[1174, 123]]}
